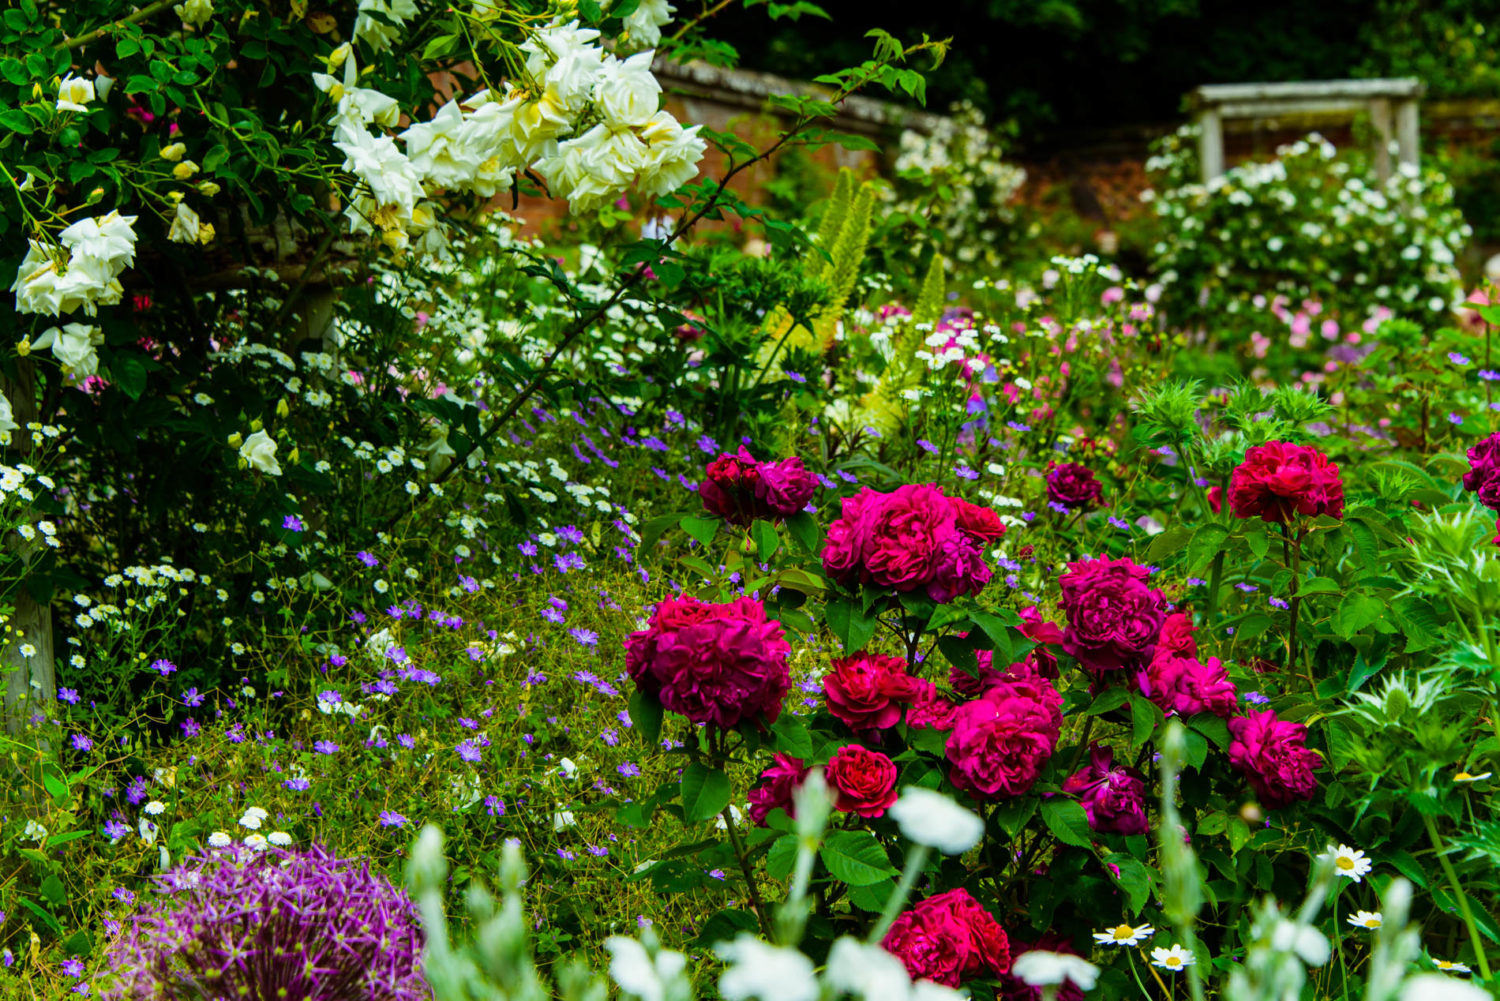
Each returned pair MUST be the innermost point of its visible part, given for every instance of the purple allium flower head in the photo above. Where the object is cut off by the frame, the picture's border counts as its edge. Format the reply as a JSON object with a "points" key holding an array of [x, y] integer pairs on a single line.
{"points": [[274, 923]]}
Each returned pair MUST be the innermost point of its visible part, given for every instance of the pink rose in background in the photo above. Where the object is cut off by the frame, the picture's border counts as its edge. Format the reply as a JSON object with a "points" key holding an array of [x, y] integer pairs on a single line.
{"points": [[1273, 754], [930, 711], [778, 785], [949, 938], [1114, 616], [1073, 486], [1186, 685], [867, 690], [1177, 636], [1113, 796], [1279, 479], [715, 664], [1001, 740], [739, 488], [915, 537], [863, 781], [1483, 477]]}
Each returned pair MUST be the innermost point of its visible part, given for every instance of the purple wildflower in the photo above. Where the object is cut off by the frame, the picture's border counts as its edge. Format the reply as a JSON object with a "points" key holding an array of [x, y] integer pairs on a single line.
{"points": [[81, 742], [366, 559], [292, 523], [67, 695], [390, 818]]}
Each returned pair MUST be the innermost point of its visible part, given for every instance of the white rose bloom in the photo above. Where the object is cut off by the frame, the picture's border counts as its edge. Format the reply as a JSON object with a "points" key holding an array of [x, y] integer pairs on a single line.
{"points": [[37, 279], [7, 420], [88, 283], [259, 450], [184, 225], [1041, 968], [394, 183], [644, 25], [594, 168], [633, 968], [563, 58], [765, 972], [380, 33], [73, 93], [672, 154], [535, 125], [628, 92], [436, 148], [195, 12], [867, 970], [932, 819], [109, 238], [73, 346]]}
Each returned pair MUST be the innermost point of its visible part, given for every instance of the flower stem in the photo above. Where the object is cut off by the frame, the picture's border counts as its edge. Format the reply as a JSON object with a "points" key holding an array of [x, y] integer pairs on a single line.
{"points": [[745, 870], [1458, 891], [915, 860]]}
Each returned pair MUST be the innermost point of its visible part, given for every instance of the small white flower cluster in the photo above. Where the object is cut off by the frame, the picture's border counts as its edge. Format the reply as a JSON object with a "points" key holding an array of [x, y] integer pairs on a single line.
{"points": [[585, 120], [99, 250]]}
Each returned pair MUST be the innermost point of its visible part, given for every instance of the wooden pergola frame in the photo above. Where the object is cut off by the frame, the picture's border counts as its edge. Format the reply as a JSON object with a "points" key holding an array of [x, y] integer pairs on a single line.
{"points": [[1392, 106]]}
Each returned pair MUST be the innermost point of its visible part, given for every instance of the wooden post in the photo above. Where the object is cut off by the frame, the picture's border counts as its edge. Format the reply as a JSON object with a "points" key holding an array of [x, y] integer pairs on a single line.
{"points": [[29, 681], [1210, 144], [1380, 117], [1408, 131]]}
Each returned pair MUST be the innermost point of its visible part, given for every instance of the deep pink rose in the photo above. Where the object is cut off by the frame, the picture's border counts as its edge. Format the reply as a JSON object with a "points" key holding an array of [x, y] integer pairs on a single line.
{"points": [[912, 538], [778, 785], [1001, 740], [949, 938], [1073, 486], [714, 664], [1114, 616], [1113, 796], [1279, 479], [1186, 685], [863, 781], [1275, 757], [1013, 988], [867, 690], [1177, 636], [1483, 477], [739, 488], [930, 711]]}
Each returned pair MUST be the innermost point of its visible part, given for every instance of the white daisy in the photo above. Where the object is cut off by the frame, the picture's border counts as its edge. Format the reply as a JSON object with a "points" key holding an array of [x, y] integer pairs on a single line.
{"points": [[1466, 777], [1347, 862], [218, 839], [1175, 958], [1448, 967], [1124, 935], [1365, 919]]}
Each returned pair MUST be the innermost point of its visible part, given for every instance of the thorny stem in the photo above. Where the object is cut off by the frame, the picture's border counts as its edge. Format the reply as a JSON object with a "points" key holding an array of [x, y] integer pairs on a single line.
{"points": [[761, 914], [1458, 891]]}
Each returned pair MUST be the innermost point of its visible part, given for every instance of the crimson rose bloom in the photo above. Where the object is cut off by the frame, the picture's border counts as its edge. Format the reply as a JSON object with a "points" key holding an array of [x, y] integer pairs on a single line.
{"points": [[1275, 757], [1114, 616], [1013, 988], [863, 781], [1483, 476], [715, 664], [1113, 796], [1186, 685], [1177, 636], [867, 690], [930, 711], [1279, 479], [948, 939], [778, 784], [739, 488], [915, 537], [1001, 740], [1073, 486]]}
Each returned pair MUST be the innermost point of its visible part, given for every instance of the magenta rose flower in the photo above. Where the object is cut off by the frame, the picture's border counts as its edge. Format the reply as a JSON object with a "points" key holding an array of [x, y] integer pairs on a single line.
{"points": [[1273, 754], [949, 938], [1278, 480], [930, 711], [714, 664], [1186, 685], [739, 488], [1001, 740], [778, 785], [1073, 486], [1114, 616], [1177, 636], [867, 690], [913, 538], [1113, 796], [1483, 477], [863, 781]]}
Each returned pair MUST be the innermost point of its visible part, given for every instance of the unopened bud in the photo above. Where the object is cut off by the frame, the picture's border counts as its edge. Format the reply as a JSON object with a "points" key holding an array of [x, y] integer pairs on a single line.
{"points": [[236, 440]]}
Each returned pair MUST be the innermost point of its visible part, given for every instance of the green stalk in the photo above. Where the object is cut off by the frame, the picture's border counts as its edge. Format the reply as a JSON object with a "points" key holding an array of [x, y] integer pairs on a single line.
{"points": [[915, 860], [1458, 891]]}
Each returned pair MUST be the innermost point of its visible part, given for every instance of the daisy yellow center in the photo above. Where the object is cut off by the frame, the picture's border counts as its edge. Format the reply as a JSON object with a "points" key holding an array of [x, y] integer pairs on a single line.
{"points": [[1372, 922], [1344, 862], [1443, 964], [1124, 931], [1173, 961], [1463, 777]]}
